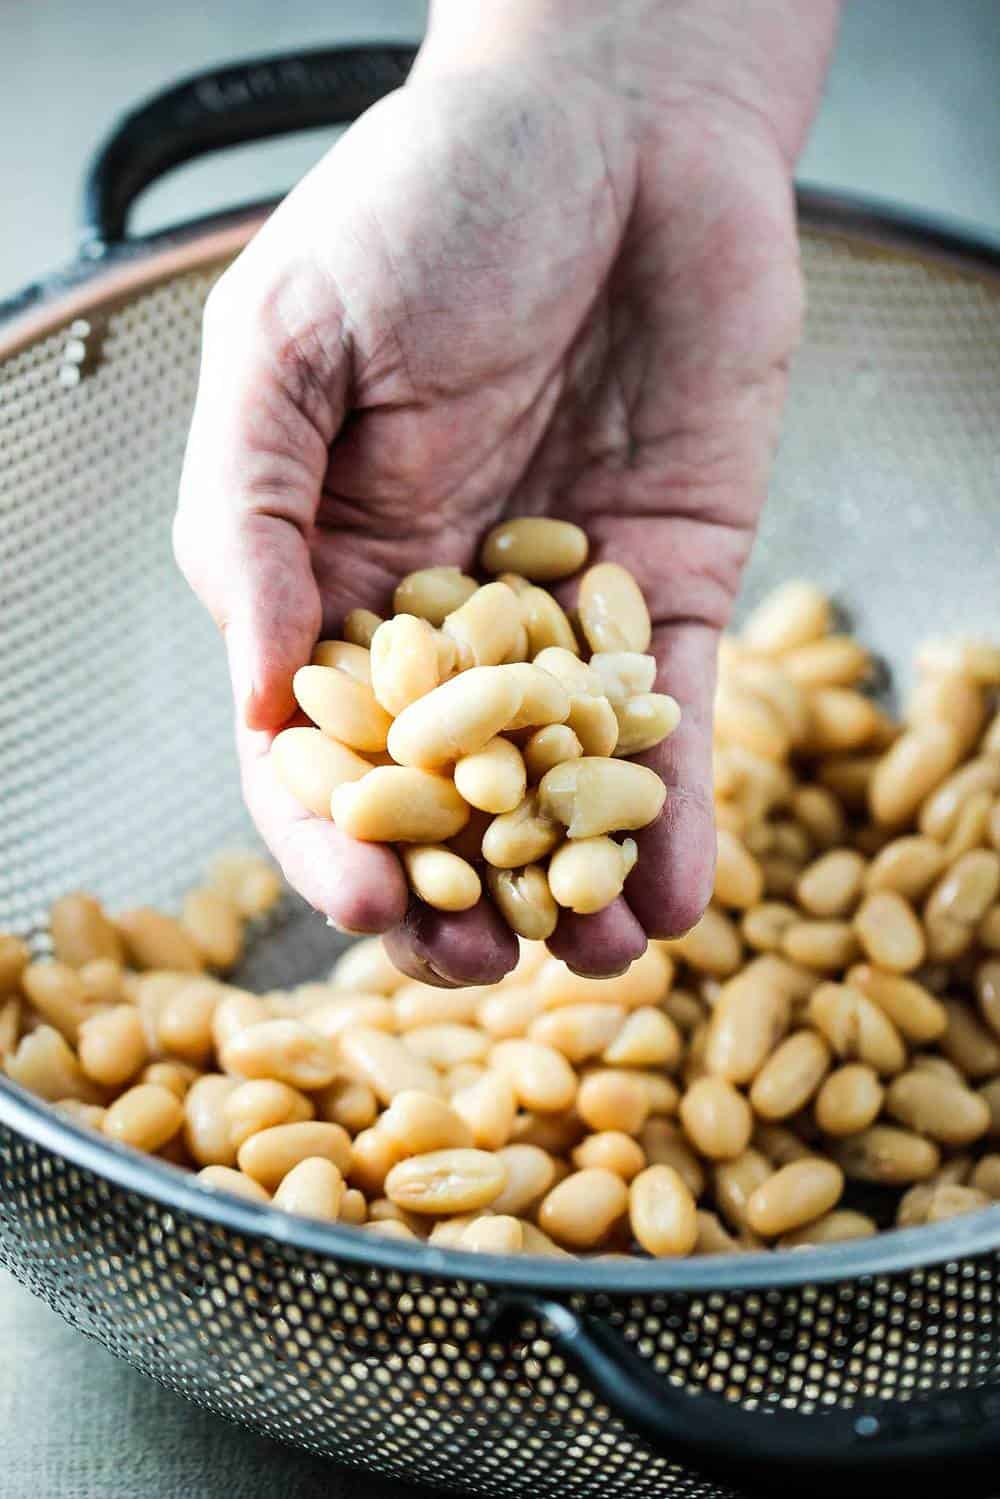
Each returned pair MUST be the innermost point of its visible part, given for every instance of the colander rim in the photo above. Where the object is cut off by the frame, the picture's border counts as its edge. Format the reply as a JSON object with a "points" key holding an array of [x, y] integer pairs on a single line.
{"points": [[171, 1187]]}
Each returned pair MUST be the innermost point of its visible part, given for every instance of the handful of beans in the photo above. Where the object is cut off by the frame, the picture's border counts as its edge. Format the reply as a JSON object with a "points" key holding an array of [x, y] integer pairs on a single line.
{"points": [[830, 1028], [485, 734]]}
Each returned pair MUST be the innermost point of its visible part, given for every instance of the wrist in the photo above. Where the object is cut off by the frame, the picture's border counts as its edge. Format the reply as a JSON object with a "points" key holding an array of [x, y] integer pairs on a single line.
{"points": [[762, 61]]}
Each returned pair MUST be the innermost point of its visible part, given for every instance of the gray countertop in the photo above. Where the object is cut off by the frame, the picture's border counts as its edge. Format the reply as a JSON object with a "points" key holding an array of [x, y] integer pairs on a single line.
{"points": [[909, 114]]}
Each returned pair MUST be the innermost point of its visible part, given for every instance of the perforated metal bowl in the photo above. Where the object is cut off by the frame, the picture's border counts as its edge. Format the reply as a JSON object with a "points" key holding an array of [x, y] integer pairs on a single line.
{"points": [[506, 1377]]}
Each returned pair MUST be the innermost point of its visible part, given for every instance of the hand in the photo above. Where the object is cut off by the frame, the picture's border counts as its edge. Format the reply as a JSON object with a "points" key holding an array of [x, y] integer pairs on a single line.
{"points": [[557, 272]]}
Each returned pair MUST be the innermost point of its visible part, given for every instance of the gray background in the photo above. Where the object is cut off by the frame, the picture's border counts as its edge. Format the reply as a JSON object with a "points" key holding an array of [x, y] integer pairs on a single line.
{"points": [[910, 115]]}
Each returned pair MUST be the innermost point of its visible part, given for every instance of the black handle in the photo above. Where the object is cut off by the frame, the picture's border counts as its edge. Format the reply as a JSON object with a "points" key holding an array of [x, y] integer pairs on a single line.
{"points": [[753, 1452], [247, 101]]}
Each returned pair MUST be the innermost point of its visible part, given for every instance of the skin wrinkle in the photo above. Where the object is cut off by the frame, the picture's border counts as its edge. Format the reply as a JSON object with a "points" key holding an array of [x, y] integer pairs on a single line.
{"points": [[563, 296]]}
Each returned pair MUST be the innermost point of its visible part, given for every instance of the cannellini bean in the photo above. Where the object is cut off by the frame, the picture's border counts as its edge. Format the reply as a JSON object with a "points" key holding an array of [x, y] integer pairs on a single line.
{"points": [[404, 662], [591, 796], [611, 1150], [432, 593], [849, 1100], [937, 1108], [440, 877], [103, 980], [908, 866], [966, 892], [736, 1181], [819, 812], [497, 1234], [588, 874], [45, 1064], [979, 660], [313, 1188], [420, 1004], [112, 1046], [613, 613], [713, 1236], [663, 1144], [821, 945], [388, 1228], [856, 1028], [311, 766], [261, 1104], [397, 804], [249, 881], [494, 778], [487, 1107], [509, 1012], [542, 1079], [578, 1031], [185, 1020], [536, 546], [645, 982], [550, 746], [270, 1154], [780, 1144], [832, 884], [287, 1050], [790, 1076], [366, 966], [544, 698], [840, 720], [486, 627], [985, 1176], [360, 626], [716, 1118], [594, 724], [940, 812], [545, 623], [145, 1117], [623, 674], [330, 1020], [909, 771], [662, 1212], [386, 1064], [582, 1209], [523, 835], [530, 1172], [448, 1045], [58, 995], [215, 926], [374, 1153], [795, 1195], [153, 940], [344, 708], [458, 718], [763, 926], [793, 615], [835, 661], [354, 659], [889, 932], [949, 1201], [177, 1076], [349, 1103], [750, 1016], [645, 721], [207, 1130], [80, 932], [612, 1099], [915, 1013], [883, 1153], [524, 899], [743, 718], [837, 1227], [446, 1181], [970, 1044], [739, 879], [225, 1179], [15, 956], [647, 1038], [949, 698]]}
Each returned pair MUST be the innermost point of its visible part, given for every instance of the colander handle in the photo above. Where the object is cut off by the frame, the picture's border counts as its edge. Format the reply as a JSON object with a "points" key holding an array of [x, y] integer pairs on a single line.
{"points": [[957, 1435], [247, 101]]}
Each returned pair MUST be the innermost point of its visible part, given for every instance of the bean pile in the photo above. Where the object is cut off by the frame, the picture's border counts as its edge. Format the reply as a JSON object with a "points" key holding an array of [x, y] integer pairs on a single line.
{"points": [[829, 1031], [469, 730]]}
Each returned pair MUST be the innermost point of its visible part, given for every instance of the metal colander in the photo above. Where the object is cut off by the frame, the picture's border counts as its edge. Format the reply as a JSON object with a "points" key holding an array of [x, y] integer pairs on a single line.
{"points": [[495, 1376]]}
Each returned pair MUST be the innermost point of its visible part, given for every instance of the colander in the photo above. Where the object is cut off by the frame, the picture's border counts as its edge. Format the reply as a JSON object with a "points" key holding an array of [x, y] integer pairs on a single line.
{"points": [[853, 1364]]}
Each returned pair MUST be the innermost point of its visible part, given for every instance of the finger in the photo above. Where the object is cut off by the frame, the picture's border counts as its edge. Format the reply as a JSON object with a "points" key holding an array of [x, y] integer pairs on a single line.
{"points": [[672, 880], [453, 949], [358, 886], [601, 945]]}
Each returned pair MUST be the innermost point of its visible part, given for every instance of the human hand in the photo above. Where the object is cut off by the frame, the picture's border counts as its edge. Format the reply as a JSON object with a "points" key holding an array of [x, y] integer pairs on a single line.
{"points": [[557, 272]]}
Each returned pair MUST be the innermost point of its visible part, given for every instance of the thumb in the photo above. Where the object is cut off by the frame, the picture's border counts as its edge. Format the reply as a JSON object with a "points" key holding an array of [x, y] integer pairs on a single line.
{"points": [[270, 401]]}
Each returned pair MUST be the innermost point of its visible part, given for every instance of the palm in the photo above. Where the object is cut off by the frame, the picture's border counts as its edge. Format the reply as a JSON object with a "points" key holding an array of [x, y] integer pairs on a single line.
{"points": [[564, 341]]}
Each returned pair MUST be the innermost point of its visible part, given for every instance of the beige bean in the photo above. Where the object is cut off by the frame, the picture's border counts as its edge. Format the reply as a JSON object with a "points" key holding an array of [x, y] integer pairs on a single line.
{"points": [[856, 1028], [177, 1076], [261, 1104], [524, 835], [949, 1201], [612, 1099], [966, 892], [207, 1129], [591, 796], [550, 746], [153, 940], [988, 993], [662, 1093], [794, 1196], [990, 1093], [952, 699], [185, 1020], [909, 771], [432, 593], [749, 1019], [494, 779], [623, 674], [246, 879], [832, 884], [735, 1183], [762, 926], [447, 1045], [713, 1236], [840, 721], [397, 804], [485, 628], [536, 546], [908, 866], [613, 613], [360, 626], [915, 1013], [890, 932], [793, 615], [349, 1103], [940, 812], [588, 874], [883, 1153], [420, 1004], [838, 1227], [744, 719], [346, 1012], [594, 723], [579, 678], [978, 660], [530, 1172], [662, 1212], [940, 1066], [388, 1228], [986, 1176], [524, 899], [215, 926], [80, 932], [790, 1076], [497, 1234], [836, 661], [404, 662], [15, 955], [544, 698], [487, 1107], [313, 1188], [440, 878], [644, 721], [112, 1046], [509, 1013], [45, 1064], [353, 1207], [270, 1154], [645, 982], [103, 981], [849, 1100], [971, 826], [663, 1144], [819, 812], [647, 1038], [739, 879], [145, 1117], [611, 1150], [542, 1079], [582, 1209], [374, 1153], [849, 778], [312, 766], [284, 1049], [443, 1182], [821, 945], [546, 623], [57, 993], [344, 656], [344, 708], [458, 718], [937, 1108], [716, 1118], [967, 1042], [387, 1065], [578, 1031], [225, 1179], [780, 1144], [366, 966]]}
